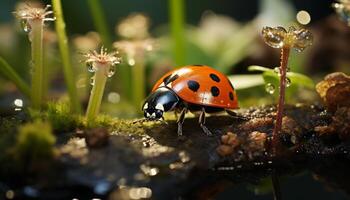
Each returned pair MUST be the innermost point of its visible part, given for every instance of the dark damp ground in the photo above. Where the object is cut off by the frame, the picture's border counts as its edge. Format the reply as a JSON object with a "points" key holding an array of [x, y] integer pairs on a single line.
{"points": [[157, 164]]}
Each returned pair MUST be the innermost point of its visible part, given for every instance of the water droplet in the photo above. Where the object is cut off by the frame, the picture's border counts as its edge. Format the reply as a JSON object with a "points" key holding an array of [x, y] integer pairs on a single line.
{"points": [[116, 62], [111, 71], [25, 26], [92, 81], [288, 82], [274, 37], [18, 104], [131, 62], [90, 67], [303, 39], [270, 88]]}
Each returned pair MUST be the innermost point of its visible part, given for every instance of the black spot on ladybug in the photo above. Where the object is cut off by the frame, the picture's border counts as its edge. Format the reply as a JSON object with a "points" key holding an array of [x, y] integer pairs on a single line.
{"points": [[193, 85], [231, 96], [214, 77], [170, 79], [215, 91], [198, 65]]}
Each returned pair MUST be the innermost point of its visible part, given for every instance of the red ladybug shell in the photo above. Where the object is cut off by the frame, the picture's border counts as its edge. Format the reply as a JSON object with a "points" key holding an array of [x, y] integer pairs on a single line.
{"points": [[202, 85]]}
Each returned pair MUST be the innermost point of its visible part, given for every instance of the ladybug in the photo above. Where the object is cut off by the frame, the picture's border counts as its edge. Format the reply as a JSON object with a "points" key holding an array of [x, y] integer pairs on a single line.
{"points": [[194, 88]]}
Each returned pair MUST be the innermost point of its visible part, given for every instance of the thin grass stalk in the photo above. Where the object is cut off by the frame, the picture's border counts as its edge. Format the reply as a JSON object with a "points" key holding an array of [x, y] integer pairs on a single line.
{"points": [[36, 37], [65, 55], [97, 91], [138, 81], [282, 90], [177, 19], [101, 25], [12, 75], [100, 22]]}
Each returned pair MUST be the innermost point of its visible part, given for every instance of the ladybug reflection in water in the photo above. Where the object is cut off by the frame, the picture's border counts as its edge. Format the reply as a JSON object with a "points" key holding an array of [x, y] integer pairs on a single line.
{"points": [[194, 88]]}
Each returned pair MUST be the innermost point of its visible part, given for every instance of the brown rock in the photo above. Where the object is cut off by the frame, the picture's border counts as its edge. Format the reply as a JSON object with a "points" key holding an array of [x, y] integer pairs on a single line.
{"points": [[335, 91], [97, 137]]}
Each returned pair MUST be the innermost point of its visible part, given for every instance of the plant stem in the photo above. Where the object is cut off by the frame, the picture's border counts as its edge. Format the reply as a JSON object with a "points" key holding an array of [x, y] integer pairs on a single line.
{"points": [[98, 87], [101, 25], [282, 90], [177, 18], [36, 38], [66, 60], [138, 81], [11, 74], [100, 22]]}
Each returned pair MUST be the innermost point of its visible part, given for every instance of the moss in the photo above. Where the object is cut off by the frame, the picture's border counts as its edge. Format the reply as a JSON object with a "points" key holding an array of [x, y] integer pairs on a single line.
{"points": [[34, 144], [8, 130], [60, 117]]}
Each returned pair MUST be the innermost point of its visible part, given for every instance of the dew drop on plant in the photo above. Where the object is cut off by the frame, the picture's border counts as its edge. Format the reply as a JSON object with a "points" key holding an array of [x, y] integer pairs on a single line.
{"points": [[111, 71], [25, 26], [303, 39], [274, 37], [92, 81], [270, 88], [288, 82], [90, 67], [131, 62], [18, 104]]}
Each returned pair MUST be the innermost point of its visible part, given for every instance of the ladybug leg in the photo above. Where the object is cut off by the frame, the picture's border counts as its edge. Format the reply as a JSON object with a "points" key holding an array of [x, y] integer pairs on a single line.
{"points": [[202, 122], [176, 114], [180, 121], [236, 116]]}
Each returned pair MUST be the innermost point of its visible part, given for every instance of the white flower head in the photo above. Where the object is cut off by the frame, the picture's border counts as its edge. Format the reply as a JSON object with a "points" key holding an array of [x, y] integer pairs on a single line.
{"points": [[27, 12], [103, 57]]}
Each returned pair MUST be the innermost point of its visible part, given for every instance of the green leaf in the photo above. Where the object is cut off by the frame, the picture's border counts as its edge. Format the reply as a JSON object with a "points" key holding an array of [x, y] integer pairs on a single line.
{"points": [[244, 81], [11, 74], [258, 68], [301, 79], [297, 79]]}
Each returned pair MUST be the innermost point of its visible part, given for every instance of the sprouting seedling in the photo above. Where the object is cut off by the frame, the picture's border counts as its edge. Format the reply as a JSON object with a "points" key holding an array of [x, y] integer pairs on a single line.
{"points": [[135, 45], [103, 65], [342, 8], [32, 20], [280, 38]]}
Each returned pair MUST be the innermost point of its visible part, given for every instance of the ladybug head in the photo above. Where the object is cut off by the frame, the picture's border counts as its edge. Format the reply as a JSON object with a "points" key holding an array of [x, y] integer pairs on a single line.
{"points": [[158, 102]]}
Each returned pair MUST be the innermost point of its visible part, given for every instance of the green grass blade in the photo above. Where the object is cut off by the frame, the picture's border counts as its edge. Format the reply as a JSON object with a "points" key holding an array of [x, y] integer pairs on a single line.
{"points": [[66, 60], [177, 20], [12, 75], [100, 22]]}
